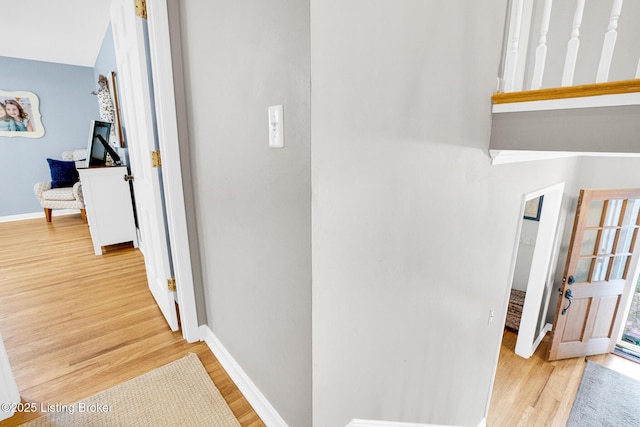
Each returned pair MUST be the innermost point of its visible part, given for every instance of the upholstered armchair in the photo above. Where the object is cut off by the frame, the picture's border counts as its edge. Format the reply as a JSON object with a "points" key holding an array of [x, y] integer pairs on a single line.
{"points": [[62, 197]]}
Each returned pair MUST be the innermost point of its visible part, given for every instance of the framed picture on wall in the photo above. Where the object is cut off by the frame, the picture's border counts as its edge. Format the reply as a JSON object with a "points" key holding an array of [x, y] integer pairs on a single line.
{"points": [[20, 114], [113, 86], [533, 209]]}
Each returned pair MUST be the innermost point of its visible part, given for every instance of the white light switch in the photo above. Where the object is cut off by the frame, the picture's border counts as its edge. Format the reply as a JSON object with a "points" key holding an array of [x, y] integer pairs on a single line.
{"points": [[276, 127]]}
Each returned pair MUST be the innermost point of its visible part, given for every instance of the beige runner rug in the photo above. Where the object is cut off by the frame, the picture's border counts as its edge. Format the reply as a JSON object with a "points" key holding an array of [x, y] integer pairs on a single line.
{"points": [[180, 393]]}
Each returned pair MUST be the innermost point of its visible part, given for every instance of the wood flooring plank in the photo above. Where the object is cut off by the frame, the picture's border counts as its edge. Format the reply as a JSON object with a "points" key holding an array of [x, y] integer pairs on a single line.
{"points": [[75, 324], [535, 392]]}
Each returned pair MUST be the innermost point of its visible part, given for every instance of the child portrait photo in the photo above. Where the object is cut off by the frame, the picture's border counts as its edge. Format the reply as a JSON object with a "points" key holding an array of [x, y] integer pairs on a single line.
{"points": [[20, 115]]}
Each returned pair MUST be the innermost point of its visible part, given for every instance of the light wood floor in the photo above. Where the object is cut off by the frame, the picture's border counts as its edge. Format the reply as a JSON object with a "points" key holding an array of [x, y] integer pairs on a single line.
{"points": [[534, 392], [75, 324]]}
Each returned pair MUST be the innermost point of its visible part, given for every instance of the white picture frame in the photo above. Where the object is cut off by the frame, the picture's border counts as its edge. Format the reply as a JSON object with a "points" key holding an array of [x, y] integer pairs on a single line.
{"points": [[20, 114]]}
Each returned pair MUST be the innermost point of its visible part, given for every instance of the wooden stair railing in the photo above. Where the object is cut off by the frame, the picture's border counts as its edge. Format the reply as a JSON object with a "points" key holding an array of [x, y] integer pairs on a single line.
{"points": [[594, 89]]}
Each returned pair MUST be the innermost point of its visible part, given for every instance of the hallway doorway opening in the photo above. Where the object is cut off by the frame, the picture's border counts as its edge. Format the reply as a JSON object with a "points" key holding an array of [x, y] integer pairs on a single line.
{"points": [[534, 263]]}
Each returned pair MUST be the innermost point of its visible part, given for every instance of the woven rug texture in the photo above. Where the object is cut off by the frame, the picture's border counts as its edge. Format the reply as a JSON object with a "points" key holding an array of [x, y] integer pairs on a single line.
{"points": [[180, 393], [605, 398], [514, 311]]}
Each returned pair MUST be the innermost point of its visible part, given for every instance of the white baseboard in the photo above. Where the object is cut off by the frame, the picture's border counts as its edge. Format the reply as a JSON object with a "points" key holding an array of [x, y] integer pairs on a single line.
{"points": [[34, 215], [256, 399], [375, 423], [259, 402]]}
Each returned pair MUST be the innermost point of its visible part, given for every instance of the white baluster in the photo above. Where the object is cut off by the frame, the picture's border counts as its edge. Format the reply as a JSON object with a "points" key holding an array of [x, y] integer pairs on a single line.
{"points": [[638, 70], [609, 43], [511, 60], [541, 50], [572, 46]]}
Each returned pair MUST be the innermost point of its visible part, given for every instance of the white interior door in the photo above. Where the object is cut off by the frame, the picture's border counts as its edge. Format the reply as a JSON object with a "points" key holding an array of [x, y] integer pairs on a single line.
{"points": [[129, 42]]}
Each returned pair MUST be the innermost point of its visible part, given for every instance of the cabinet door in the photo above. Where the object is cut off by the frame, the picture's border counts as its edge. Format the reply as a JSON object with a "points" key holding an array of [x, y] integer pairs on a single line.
{"points": [[109, 206]]}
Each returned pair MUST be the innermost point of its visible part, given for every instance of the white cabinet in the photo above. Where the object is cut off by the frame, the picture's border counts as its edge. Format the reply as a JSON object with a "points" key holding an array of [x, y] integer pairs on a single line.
{"points": [[107, 199]]}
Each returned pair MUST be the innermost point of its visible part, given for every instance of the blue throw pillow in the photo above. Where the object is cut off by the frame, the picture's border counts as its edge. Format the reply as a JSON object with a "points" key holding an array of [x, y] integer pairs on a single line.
{"points": [[63, 174]]}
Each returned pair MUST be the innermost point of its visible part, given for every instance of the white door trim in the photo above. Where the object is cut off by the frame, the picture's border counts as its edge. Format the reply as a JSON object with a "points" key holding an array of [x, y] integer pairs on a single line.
{"points": [[167, 127], [541, 274]]}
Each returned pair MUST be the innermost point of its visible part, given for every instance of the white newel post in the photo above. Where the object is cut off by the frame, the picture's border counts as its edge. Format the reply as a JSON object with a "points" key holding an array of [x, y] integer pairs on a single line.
{"points": [[9, 394], [541, 50], [573, 46], [609, 43]]}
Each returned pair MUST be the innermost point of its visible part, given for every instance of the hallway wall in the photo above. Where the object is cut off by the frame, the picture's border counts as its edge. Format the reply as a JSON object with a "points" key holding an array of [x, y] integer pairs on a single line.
{"points": [[253, 203]]}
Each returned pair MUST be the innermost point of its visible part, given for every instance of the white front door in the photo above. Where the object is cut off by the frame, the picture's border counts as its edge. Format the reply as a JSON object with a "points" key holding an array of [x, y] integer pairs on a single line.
{"points": [[133, 77]]}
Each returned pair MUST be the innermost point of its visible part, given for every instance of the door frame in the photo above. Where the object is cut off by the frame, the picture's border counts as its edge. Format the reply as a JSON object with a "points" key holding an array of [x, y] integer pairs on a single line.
{"points": [[558, 190], [636, 275], [166, 92], [543, 266], [634, 270]]}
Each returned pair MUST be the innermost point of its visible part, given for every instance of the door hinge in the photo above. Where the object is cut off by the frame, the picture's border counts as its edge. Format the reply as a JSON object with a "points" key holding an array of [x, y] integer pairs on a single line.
{"points": [[141, 8], [156, 160], [171, 284]]}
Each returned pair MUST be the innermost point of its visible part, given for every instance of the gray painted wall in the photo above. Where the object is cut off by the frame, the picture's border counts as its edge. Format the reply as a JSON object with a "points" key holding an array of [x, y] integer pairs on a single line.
{"points": [[253, 203], [413, 229], [609, 172], [595, 130], [66, 106]]}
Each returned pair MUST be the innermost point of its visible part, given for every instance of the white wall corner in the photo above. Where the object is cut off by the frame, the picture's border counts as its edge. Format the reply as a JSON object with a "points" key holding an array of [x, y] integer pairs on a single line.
{"points": [[256, 399]]}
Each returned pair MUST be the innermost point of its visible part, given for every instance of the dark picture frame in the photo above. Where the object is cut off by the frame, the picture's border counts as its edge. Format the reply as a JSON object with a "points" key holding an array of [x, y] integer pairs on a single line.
{"points": [[117, 123], [533, 209]]}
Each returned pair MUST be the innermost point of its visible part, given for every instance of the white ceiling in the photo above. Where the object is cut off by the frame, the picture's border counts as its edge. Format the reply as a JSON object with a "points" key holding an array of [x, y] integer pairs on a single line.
{"points": [[62, 31]]}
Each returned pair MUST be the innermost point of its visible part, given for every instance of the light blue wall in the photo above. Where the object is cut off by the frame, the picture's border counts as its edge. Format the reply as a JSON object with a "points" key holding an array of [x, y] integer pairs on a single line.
{"points": [[67, 107], [106, 61], [105, 64]]}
